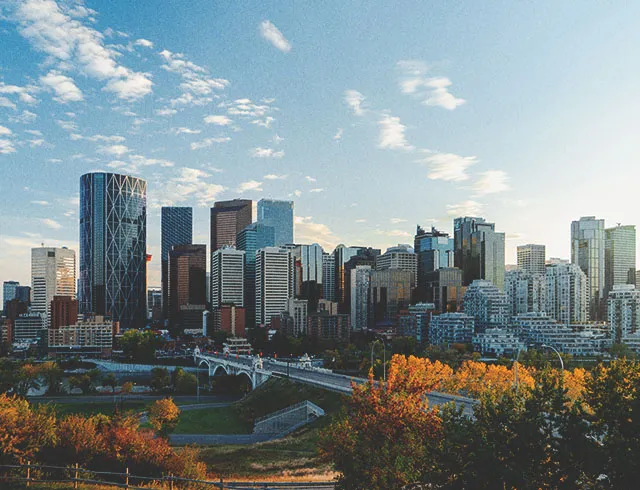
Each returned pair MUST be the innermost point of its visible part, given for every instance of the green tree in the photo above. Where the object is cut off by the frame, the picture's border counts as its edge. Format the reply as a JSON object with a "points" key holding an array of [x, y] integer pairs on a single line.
{"points": [[27, 378], [184, 383], [82, 381], [163, 416], [140, 346], [160, 380], [52, 375], [111, 381]]}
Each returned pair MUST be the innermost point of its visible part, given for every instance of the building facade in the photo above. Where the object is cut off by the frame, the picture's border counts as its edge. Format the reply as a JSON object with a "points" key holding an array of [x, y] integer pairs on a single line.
{"points": [[451, 328], [227, 277], [279, 216], [9, 289], [479, 251], [391, 291], [274, 283], [176, 224], [623, 312], [228, 218], [360, 297], [486, 304], [328, 277], [53, 273], [619, 256], [444, 289], [64, 311], [567, 294], [434, 250], [588, 253], [526, 291], [113, 247], [531, 258], [187, 283]]}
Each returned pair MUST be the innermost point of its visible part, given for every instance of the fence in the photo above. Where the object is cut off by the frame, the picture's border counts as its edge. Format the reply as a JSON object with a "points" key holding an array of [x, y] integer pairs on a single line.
{"points": [[75, 475]]}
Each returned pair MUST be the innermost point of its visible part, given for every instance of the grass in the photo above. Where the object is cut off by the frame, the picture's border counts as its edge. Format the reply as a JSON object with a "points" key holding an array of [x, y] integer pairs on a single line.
{"points": [[219, 420], [106, 408]]}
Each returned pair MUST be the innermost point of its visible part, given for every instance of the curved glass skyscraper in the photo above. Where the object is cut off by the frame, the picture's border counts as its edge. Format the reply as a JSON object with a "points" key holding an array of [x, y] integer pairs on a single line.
{"points": [[113, 247]]}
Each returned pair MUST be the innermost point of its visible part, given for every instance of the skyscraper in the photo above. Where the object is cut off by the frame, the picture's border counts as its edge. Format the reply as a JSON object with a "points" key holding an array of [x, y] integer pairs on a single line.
{"points": [[434, 250], [390, 292], [399, 257], [360, 297], [623, 312], [228, 218], [311, 261], [479, 251], [328, 276], [587, 251], [53, 273], [227, 277], [8, 292], [186, 281], [274, 283], [619, 256], [176, 229], [251, 239], [531, 258], [113, 247], [341, 255], [567, 294], [278, 215]]}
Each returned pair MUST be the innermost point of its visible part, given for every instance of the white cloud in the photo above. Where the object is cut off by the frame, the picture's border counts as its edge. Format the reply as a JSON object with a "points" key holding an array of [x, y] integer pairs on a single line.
{"points": [[144, 161], [308, 231], [394, 233], [144, 43], [354, 100], [266, 153], [297, 193], [491, 182], [69, 126], [218, 120], [310, 179], [277, 139], [165, 112], [116, 150], [246, 108], [57, 30], [4, 102], [51, 223], [361, 220], [4, 131], [26, 117], [197, 84], [272, 34], [448, 166], [6, 147], [392, 134], [105, 139], [338, 135], [24, 93], [397, 220], [54, 160], [317, 189], [208, 142], [41, 203], [34, 132], [465, 208], [265, 123], [36, 142], [183, 130], [251, 185], [190, 184], [63, 86], [433, 91], [275, 177]]}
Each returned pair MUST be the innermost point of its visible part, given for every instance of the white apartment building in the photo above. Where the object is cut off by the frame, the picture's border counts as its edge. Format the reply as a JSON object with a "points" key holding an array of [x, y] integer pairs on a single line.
{"points": [[227, 277], [274, 282], [53, 273]]}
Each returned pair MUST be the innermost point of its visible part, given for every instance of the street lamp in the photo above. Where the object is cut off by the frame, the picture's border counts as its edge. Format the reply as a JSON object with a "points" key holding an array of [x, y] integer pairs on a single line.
{"points": [[384, 358], [557, 352], [515, 365]]}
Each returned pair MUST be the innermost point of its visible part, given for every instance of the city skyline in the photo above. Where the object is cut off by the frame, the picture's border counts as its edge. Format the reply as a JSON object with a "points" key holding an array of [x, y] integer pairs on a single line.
{"points": [[385, 120]]}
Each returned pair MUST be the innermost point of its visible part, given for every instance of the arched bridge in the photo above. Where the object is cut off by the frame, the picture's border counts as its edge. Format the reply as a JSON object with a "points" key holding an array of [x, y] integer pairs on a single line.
{"points": [[259, 370]]}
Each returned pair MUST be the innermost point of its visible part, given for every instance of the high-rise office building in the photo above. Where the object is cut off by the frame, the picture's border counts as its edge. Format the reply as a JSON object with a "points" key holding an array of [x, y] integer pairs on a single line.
{"points": [[341, 256], [23, 293], [399, 257], [567, 294], [310, 259], [64, 312], [278, 215], [531, 258], [274, 283], [364, 256], [227, 277], [390, 292], [228, 218], [154, 301], [53, 273], [487, 304], [526, 292], [298, 312], [433, 250], [619, 256], [328, 277], [113, 247], [444, 289], [8, 292], [251, 239], [479, 251], [360, 297], [176, 229], [587, 252], [623, 312], [187, 282]]}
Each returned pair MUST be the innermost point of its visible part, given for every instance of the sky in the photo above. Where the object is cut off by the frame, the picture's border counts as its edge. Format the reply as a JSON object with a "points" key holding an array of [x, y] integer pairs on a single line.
{"points": [[372, 116]]}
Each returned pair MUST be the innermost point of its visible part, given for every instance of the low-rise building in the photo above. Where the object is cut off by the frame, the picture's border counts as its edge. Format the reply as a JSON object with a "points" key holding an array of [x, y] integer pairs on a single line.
{"points": [[498, 342], [451, 328], [29, 326], [324, 326], [92, 336]]}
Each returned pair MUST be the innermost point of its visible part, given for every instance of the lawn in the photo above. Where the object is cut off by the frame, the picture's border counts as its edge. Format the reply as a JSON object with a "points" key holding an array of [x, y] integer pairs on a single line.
{"points": [[219, 420], [106, 408]]}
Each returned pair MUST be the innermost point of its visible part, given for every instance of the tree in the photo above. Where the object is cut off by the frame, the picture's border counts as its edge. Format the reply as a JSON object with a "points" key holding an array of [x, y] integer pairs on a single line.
{"points": [[82, 381], [26, 379], [163, 416], [52, 375], [183, 382], [111, 381], [160, 380], [387, 433], [140, 346]]}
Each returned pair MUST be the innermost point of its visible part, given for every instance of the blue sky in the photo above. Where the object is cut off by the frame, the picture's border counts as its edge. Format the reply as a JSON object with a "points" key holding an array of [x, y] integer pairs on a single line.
{"points": [[372, 116]]}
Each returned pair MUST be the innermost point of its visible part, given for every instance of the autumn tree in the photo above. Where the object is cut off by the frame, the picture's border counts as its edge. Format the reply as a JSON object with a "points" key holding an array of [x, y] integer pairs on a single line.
{"points": [[163, 415], [52, 375], [388, 431], [26, 378]]}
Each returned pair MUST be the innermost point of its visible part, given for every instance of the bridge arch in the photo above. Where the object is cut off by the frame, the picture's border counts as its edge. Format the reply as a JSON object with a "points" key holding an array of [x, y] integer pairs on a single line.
{"points": [[219, 370]]}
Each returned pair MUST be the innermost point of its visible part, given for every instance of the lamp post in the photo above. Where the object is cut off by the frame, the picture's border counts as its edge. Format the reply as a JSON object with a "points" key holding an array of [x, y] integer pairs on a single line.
{"points": [[557, 352], [515, 365]]}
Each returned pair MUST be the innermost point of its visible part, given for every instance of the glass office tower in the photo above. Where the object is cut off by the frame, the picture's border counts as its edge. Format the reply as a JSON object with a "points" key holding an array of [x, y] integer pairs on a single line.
{"points": [[619, 256], [587, 251], [176, 229], [113, 247], [278, 215]]}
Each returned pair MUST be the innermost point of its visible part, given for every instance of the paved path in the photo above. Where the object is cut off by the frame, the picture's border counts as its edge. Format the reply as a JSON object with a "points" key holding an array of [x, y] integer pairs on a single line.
{"points": [[190, 399], [214, 439]]}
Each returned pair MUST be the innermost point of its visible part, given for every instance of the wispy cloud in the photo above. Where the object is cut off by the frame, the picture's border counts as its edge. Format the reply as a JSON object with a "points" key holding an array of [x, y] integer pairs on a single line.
{"points": [[432, 91], [208, 142], [338, 135], [144, 43], [251, 185], [465, 208], [49, 223], [41, 203], [266, 153], [309, 231], [275, 177], [115, 150], [218, 120], [272, 34], [392, 134], [4, 131], [183, 130], [354, 100], [448, 166], [317, 189], [64, 87], [491, 182]]}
